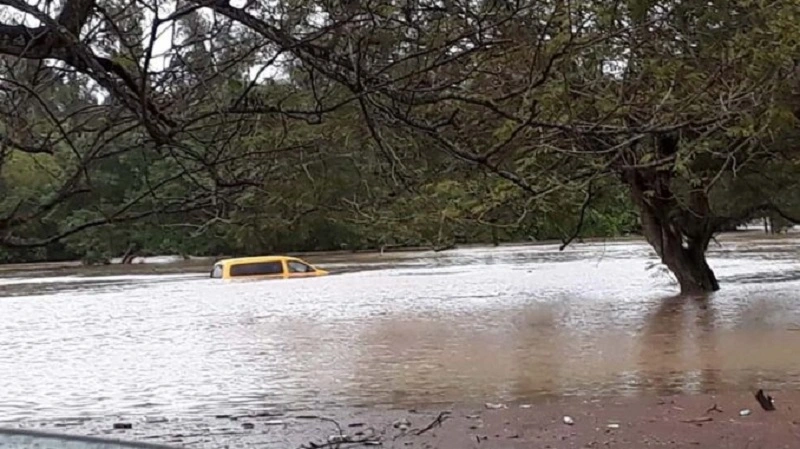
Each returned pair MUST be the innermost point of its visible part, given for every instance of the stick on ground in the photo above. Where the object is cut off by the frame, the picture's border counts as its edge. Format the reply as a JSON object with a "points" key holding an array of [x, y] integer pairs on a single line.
{"points": [[436, 422]]}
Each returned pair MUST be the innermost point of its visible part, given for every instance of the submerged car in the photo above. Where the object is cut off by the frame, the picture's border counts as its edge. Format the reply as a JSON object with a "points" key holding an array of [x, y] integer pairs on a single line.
{"points": [[266, 267]]}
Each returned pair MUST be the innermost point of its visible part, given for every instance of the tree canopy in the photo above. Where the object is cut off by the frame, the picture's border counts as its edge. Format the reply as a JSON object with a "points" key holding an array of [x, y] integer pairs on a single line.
{"points": [[211, 126]]}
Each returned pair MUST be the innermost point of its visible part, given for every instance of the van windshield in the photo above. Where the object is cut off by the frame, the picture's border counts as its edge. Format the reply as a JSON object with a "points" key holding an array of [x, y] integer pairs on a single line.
{"points": [[299, 267]]}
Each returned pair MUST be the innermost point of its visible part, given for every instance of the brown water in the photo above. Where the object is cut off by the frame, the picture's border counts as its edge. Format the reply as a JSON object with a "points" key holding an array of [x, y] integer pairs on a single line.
{"points": [[473, 325]]}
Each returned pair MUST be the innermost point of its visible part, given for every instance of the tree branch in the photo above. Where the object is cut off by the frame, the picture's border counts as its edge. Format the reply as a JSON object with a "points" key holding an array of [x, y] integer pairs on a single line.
{"points": [[74, 15], [581, 218], [754, 212]]}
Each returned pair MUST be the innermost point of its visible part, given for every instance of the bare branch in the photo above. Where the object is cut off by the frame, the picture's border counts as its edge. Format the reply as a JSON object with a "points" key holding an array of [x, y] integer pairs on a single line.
{"points": [[581, 218]]}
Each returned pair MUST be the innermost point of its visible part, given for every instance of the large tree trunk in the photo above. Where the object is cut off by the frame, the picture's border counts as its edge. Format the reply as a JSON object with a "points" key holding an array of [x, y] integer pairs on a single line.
{"points": [[679, 231], [684, 256]]}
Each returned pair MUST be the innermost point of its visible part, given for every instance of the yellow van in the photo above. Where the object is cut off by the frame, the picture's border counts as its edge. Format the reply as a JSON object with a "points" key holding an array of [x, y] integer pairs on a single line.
{"points": [[266, 267]]}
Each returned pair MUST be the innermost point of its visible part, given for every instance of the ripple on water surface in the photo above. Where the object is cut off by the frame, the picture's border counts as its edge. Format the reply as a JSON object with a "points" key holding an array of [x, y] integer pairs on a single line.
{"points": [[502, 323]]}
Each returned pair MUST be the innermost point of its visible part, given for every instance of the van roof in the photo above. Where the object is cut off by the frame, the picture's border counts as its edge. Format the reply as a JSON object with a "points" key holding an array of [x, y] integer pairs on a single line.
{"points": [[254, 259]]}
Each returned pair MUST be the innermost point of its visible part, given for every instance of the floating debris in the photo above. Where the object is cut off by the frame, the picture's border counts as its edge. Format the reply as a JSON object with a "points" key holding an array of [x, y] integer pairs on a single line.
{"points": [[336, 439], [368, 434], [262, 414], [274, 422], [745, 412], [123, 425], [65, 423], [155, 419], [248, 426], [568, 420], [492, 406], [402, 424]]}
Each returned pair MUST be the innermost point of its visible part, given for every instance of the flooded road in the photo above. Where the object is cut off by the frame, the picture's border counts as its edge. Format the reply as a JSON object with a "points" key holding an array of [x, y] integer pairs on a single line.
{"points": [[472, 325]]}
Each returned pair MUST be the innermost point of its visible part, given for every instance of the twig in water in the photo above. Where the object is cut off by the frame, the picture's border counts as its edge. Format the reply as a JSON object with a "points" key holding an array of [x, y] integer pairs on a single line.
{"points": [[322, 418], [340, 440], [344, 441], [698, 420], [365, 442], [579, 227], [436, 422]]}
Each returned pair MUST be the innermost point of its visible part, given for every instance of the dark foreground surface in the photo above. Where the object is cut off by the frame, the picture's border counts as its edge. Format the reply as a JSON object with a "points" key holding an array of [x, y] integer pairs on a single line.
{"points": [[686, 421]]}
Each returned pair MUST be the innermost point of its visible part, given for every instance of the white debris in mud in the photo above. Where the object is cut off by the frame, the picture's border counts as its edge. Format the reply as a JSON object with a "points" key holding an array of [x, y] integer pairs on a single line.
{"points": [[525, 406], [745, 412], [368, 434], [568, 420], [338, 439], [155, 419], [492, 406], [613, 426], [402, 424]]}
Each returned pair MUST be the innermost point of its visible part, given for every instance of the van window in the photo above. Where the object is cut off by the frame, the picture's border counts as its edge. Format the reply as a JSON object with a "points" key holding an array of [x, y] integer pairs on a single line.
{"points": [[256, 269], [216, 273], [299, 267]]}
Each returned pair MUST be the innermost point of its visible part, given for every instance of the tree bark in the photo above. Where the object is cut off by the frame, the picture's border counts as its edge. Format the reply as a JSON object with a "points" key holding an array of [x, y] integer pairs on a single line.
{"points": [[678, 232], [685, 257]]}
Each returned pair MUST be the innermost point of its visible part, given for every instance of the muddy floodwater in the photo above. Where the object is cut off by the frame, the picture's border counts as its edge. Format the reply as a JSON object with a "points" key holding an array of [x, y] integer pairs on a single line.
{"points": [[398, 331]]}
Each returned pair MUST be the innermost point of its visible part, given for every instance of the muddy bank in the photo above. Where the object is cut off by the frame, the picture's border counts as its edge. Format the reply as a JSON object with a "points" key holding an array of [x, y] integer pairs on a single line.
{"points": [[706, 421], [686, 421]]}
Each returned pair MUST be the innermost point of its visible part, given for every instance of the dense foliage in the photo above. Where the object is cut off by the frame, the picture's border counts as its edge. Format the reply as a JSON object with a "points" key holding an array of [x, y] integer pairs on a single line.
{"points": [[220, 127]]}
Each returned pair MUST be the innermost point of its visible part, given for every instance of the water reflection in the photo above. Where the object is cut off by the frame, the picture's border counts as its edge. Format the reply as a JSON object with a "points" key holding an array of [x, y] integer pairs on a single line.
{"points": [[469, 325], [678, 351]]}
